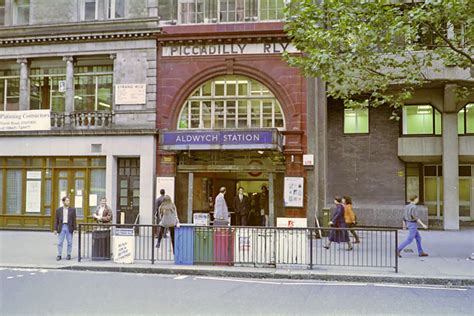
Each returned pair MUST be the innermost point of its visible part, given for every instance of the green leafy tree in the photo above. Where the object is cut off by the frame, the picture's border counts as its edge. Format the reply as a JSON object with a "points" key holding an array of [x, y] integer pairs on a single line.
{"points": [[378, 52]]}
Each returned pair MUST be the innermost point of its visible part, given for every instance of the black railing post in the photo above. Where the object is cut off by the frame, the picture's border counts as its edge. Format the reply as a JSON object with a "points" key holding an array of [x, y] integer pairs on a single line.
{"points": [[396, 251], [310, 249], [153, 246], [79, 248]]}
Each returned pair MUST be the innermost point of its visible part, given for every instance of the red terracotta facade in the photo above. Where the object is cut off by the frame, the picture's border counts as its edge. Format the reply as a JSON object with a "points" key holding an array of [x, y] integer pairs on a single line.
{"points": [[179, 76]]}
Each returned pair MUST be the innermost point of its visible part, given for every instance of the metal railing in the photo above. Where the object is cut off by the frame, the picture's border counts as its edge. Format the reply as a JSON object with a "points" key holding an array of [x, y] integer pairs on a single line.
{"points": [[250, 246]]}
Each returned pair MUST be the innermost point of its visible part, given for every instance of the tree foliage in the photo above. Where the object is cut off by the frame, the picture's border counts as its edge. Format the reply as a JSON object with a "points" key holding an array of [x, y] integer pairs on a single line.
{"points": [[363, 49]]}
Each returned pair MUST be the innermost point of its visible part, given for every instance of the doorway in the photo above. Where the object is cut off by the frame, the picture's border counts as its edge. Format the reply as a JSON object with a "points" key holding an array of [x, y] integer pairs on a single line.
{"points": [[128, 197], [72, 183]]}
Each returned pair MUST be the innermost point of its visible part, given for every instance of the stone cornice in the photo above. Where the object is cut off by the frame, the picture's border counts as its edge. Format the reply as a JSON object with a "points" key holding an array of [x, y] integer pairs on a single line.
{"points": [[116, 131], [85, 37]]}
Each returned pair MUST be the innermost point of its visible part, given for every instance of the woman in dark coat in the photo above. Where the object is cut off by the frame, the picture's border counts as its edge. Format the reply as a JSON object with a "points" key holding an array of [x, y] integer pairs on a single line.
{"points": [[338, 221]]}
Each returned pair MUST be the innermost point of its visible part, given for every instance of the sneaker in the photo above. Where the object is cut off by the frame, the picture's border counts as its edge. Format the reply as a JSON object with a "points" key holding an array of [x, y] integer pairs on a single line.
{"points": [[68, 257], [398, 254], [423, 254], [58, 258]]}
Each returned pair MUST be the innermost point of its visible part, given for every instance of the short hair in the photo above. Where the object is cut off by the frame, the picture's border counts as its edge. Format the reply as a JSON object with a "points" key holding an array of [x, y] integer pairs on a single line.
{"points": [[413, 197], [64, 198], [222, 190], [263, 187], [338, 199], [348, 199], [103, 198], [240, 188], [162, 191]]}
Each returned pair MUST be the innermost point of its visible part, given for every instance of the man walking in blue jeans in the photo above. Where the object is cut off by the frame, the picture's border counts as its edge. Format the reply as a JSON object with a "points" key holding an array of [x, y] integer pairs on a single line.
{"points": [[411, 220]]}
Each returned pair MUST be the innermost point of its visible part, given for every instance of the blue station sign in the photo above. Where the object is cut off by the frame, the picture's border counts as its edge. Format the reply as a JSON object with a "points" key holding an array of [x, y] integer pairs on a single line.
{"points": [[220, 139]]}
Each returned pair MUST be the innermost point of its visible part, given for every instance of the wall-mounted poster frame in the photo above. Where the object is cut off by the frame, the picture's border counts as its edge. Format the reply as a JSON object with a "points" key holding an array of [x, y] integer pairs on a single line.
{"points": [[294, 191], [166, 183]]}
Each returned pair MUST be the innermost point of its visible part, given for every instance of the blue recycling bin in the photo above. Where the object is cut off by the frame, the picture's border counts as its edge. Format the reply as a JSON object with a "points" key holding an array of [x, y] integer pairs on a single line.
{"points": [[184, 245]]}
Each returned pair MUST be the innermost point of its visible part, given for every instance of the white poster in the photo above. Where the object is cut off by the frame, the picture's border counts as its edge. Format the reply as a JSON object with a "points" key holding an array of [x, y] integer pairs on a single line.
{"points": [[92, 199], [32, 120], [124, 245], [130, 93], [166, 183], [33, 196], [294, 191], [78, 202]]}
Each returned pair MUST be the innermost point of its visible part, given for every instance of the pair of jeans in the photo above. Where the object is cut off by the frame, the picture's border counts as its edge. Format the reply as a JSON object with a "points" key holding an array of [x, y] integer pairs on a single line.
{"points": [[412, 234], [64, 233]]}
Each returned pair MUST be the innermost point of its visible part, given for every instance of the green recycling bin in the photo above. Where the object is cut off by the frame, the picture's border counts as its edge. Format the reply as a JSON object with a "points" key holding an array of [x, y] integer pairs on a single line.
{"points": [[203, 245]]}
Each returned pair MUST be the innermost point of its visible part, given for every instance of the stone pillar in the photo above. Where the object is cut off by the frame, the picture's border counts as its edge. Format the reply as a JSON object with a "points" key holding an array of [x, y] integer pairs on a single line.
{"points": [[271, 200], [190, 197], [311, 175], [24, 84], [111, 186], [321, 145], [450, 161], [69, 83]]}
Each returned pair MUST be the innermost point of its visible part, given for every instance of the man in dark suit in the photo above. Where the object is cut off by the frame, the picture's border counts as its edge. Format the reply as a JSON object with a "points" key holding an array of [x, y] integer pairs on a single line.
{"points": [[65, 225], [241, 207]]}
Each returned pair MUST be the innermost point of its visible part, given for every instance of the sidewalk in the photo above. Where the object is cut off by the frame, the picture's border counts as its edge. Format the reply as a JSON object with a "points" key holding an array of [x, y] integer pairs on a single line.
{"points": [[448, 262]]}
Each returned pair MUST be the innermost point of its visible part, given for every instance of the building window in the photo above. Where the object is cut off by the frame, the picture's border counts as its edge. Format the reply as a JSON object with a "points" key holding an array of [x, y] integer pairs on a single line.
{"points": [[466, 119], [47, 87], [116, 9], [90, 10], [9, 89], [356, 121], [93, 88], [231, 102], [213, 11], [2, 12], [21, 12], [14, 191], [421, 120], [272, 10]]}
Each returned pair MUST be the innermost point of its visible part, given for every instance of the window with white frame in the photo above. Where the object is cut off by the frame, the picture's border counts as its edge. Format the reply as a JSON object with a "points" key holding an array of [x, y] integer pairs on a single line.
{"points": [[116, 9], [231, 102], [21, 12], [48, 87], [93, 88], [2, 12], [356, 121], [9, 89], [216, 11], [89, 10]]}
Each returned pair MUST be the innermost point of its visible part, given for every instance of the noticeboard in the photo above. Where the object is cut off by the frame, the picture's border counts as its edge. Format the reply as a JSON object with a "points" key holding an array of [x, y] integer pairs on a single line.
{"points": [[294, 191]]}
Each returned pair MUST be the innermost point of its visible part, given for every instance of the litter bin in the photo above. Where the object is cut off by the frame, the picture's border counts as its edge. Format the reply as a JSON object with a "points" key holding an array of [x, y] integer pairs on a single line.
{"points": [[223, 246], [325, 221], [203, 245], [101, 244], [184, 245]]}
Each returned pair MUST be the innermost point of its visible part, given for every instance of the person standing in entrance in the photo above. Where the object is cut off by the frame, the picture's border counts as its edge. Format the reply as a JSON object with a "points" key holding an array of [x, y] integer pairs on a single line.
{"points": [[65, 225], [264, 206], [169, 219], [350, 217], [411, 220], [241, 207], [158, 202], [221, 212]]}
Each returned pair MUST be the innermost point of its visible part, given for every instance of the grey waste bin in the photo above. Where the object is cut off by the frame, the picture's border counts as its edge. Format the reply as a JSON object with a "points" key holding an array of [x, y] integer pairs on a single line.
{"points": [[325, 220], [101, 244]]}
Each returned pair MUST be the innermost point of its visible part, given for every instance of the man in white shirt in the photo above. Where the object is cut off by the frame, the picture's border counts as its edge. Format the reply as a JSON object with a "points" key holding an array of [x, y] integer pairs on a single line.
{"points": [[65, 225], [221, 212]]}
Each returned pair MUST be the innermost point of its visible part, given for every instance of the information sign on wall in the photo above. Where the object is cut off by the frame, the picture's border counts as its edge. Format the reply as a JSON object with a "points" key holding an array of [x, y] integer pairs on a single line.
{"points": [[33, 192], [167, 184], [294, 191], [32, 120], [130, 93]]}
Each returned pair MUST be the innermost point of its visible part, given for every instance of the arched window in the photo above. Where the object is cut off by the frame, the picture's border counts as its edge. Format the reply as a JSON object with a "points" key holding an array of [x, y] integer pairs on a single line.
{"points": [[231, 102]]}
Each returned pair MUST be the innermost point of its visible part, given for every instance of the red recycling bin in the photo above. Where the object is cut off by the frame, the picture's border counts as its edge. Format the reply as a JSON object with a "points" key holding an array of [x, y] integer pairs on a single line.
{"points": [[224, 246]]}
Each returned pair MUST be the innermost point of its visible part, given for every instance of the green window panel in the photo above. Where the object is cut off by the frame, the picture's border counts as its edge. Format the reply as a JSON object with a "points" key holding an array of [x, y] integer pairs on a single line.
{"points": [[356, 121]]}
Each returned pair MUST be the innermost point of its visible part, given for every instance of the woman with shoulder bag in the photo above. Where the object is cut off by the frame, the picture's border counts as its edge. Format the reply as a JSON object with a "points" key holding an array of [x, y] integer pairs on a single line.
{"points": [[169, 219], [337, 221], [350, 217]]}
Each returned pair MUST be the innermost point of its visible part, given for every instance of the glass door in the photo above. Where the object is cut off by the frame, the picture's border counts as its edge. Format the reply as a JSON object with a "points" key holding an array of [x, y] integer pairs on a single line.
{"points": [[128, 190], [72, 183], [433, 191]]}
